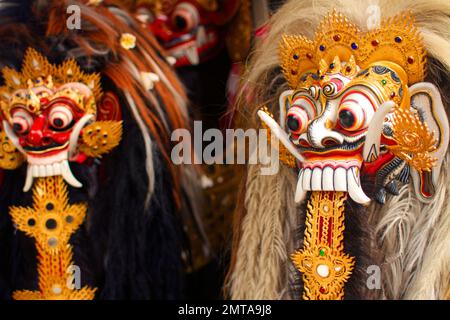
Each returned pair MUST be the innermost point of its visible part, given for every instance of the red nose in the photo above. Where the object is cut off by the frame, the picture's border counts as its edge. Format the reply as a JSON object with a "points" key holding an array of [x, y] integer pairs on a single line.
{"points": [[36, 136], [161, 30]]}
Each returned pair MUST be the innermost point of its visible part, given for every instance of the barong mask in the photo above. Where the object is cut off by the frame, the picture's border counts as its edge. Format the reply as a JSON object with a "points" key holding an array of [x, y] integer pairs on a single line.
{"points": [[51, 117], [357, 106], [191, 31]]}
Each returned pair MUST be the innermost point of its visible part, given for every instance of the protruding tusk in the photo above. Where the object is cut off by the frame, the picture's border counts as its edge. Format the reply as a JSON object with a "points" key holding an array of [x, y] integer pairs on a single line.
{"points": [[29, 179], [73, 140], [354, 187], [299, 192], [12, 136], [279, 133], [372, 144], [68, 175]]}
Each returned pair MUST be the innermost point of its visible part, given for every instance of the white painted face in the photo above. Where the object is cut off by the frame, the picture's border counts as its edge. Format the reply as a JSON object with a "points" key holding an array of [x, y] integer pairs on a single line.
{"points": [[342, 126]]}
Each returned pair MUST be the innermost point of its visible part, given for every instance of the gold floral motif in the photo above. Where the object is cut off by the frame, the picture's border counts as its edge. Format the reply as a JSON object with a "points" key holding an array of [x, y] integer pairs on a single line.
{"points": [[10, 157], [100, 137], [51, 222], [322, 261], [414, 140]]}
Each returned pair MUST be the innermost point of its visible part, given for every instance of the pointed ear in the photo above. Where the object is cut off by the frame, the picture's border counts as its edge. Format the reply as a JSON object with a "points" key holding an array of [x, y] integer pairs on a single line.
{"points": [[427, 103], [108, 108], [284, 101]]}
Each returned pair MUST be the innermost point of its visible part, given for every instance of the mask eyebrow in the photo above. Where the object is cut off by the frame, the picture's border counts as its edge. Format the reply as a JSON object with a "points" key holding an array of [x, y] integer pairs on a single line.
{"points": [[65, 101]]}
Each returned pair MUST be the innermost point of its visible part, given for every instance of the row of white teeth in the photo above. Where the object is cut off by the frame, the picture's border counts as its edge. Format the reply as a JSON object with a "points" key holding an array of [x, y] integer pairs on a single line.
{"points": [[191, 52], [48, 170], [331, 179]]}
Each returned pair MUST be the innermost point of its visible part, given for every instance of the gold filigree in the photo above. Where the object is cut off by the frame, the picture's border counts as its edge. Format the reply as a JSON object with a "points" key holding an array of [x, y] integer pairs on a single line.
{"points": [[37, 71], [414, 140], [397, 41], [10, 157], [284, 154], [101, 137], [322, 261], [51, 222], [384, 80]]}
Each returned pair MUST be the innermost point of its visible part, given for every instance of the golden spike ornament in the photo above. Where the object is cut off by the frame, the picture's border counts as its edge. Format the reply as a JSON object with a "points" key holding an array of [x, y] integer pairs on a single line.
{"points": [[322, 261], [51, 221], [397, 41], [37, 71]]}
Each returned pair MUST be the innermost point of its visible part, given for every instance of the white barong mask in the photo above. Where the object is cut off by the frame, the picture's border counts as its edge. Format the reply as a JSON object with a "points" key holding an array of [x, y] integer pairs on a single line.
{"points": [[358, 106]]}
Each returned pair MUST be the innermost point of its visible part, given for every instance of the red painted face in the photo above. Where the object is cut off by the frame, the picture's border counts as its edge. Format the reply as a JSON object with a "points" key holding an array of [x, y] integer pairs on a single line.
{"points": [[190, 33], [47, 132]]}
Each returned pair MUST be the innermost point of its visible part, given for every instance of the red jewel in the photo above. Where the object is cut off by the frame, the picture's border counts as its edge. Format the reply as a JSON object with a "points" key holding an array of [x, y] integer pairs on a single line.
{"points": [[322, 290], [293, 72], [392, 94], [348, 69], [375, 42], [309, 55], [336, 37], [410, 60]]}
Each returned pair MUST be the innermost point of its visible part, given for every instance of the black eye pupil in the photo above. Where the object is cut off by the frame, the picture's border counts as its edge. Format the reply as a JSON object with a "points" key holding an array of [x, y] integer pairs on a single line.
{"points": [[180, 22], [293, 123], [58, 122], [347, 118], [17, 127]]}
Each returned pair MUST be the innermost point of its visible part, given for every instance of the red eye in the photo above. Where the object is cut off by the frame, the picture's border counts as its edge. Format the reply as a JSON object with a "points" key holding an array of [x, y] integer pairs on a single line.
{"points": [[60, 118], [21, 121], [355, 112], [185, 17], [297, 120]]}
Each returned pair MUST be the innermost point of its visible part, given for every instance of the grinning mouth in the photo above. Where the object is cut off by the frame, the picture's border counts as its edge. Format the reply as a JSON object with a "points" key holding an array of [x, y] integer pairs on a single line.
{"points": [[330, 178], [44, 149], [346, 146], [335, 172], [194, 49]]}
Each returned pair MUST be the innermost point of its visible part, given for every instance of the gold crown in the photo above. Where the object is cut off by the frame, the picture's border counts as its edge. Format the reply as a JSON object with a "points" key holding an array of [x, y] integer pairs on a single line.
{"points": [[397, 41], [38, 71]]}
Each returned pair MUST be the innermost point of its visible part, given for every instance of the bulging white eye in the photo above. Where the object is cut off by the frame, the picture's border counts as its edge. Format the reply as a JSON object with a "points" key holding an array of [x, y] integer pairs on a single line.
{"points": [[355, 112], [302, 110], [60, 118], [297, 120], [21, 121], [185, 17]]}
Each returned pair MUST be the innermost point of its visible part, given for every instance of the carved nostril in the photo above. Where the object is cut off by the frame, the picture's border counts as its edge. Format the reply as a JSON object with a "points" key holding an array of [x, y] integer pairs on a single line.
{"points": [[46, 141], [328, 142]]}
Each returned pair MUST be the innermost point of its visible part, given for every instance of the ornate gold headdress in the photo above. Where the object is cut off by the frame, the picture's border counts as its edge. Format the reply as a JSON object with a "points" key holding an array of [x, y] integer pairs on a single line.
{"points": [[397, 41], [38, 71]]}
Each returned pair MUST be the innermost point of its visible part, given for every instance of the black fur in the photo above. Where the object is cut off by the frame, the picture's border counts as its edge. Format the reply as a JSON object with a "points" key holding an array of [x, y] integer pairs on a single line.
{"points": [[126, 250]]}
